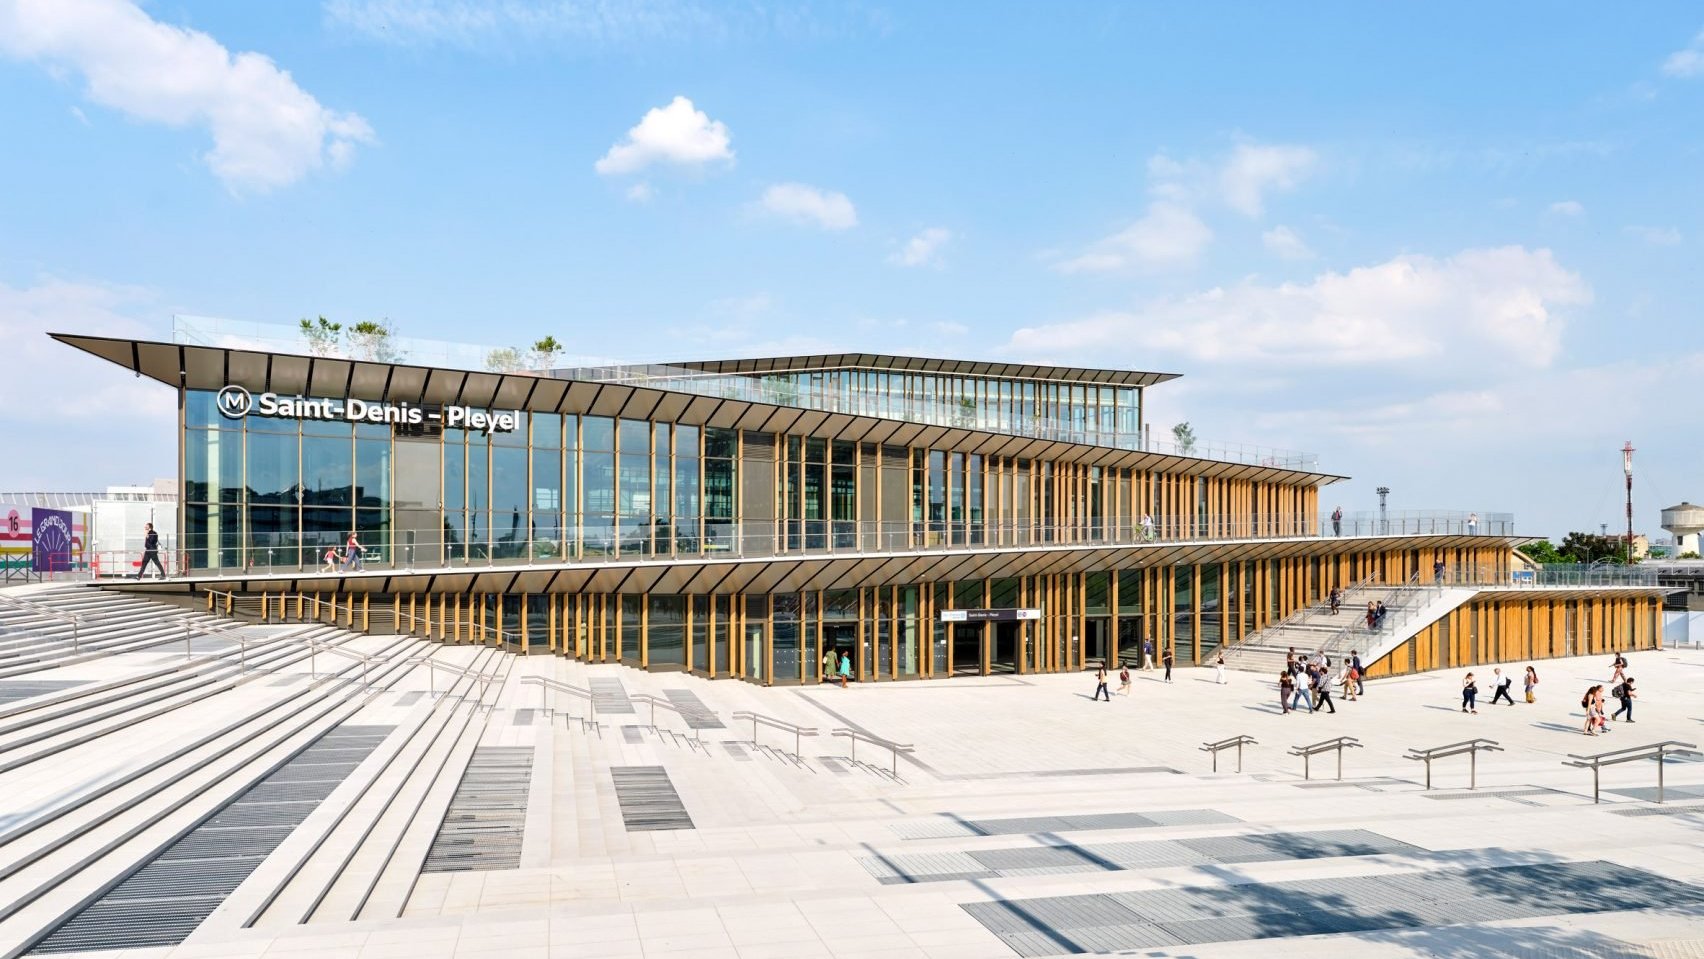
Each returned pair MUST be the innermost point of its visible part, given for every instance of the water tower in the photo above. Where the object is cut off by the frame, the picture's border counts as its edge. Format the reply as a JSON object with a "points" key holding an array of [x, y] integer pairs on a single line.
{"points": [[1685, 521]]}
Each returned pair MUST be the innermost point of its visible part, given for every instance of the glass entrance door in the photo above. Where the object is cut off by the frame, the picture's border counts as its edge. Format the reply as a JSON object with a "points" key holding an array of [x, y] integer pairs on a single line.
{"points": [[967, 649]]}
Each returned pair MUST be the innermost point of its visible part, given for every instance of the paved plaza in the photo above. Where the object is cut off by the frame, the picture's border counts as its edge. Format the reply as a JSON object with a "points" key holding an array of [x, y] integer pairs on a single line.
{"points": [[1031, 820]]}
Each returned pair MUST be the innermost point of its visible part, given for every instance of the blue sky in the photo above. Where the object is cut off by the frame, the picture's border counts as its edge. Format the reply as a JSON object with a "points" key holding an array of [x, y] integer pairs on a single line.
{"points": [[1450, 248]]}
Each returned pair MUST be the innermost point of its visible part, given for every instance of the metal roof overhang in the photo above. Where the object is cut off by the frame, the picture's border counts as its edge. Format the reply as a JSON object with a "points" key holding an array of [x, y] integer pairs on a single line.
{"points": [[710, 575], [920, 364], [213, 367]]}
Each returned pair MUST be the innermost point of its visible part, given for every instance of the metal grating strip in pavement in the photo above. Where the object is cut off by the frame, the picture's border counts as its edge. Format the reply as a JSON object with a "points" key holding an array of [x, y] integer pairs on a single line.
{"points": [[648, 799], [484, 825], [632, 734], [609, 696], [1028, 825], [1205, 914], [693, 710], [163, 900]]}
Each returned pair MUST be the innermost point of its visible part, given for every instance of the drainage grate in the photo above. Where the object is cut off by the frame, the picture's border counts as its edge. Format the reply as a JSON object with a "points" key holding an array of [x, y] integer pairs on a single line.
{"points": [[632, 734], [1197, 915], [737, 751], [1027, 825], [14, 691], [1492, 793], [693, 710], [609, 696], [482, 829], [648, 800], [1056, 860], [1660, 811], [161, 902], [522, 717]]}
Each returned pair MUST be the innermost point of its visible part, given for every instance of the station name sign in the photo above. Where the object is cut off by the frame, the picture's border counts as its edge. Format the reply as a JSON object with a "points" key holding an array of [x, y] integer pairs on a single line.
{"points": [[988, 615], [235, 402]]}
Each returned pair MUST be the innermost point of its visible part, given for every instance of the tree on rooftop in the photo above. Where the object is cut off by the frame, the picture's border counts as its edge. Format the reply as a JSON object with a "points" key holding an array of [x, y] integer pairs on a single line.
{"points": [[370, 340], [321, 336], [504, 359], [1184, 435], [545, 352]]}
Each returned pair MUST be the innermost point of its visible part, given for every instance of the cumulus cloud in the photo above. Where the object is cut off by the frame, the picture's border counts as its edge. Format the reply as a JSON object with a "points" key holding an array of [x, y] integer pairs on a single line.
{"points": [[679, 133], [1168, 235], [1688, 62], [1255, 170], [807, 204], [924, 249], [1479, 307], [1656, 235], [641, 192], [1567, 208], [1286, 243], [267, 131]]}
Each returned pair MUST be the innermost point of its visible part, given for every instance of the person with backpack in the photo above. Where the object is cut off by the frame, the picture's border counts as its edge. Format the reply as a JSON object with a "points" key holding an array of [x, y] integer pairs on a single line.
{"points": [[1531, 684], [1625, 693], [1500, 687], [1124, 679], [1359, 671]]}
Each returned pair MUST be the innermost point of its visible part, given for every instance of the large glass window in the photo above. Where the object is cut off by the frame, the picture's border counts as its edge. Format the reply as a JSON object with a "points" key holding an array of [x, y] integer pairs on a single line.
{"points": [[509, 501], [666, 631]]}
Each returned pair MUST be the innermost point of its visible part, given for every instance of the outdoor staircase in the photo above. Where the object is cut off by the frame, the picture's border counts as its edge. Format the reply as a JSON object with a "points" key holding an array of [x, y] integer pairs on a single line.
{"points": [[1409, 608]]}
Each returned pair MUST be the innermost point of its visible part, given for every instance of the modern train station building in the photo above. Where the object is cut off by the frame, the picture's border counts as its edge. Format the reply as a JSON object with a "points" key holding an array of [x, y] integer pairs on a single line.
{"points": [[746, 518]]}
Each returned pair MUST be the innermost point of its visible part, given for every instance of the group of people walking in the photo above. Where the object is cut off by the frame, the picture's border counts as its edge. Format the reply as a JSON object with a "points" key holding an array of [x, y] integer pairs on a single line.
{"points": [[837, 667], [1103, 674], [347, 561], [1620, 688], [1307, 681]]}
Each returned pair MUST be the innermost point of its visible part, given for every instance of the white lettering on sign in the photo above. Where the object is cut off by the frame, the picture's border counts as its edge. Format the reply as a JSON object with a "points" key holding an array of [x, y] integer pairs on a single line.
{"points": [[234, 403]]}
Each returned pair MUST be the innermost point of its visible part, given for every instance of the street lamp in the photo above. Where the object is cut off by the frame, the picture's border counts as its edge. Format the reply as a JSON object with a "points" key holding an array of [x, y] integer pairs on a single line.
{"points": [[1627, 468], [1384, 526]]}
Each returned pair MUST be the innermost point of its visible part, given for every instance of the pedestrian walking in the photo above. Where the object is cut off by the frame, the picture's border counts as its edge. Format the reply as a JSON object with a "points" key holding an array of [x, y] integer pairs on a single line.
{"points": [[1336, 600], [1592, 703], [1437, 570], [1625, 693], [1337, 521], [333, 560], [1124, 679], [1148, 655], [1531, 684], [1348, 678], [1100, 684], [1618, 672], [1360, 673], [1500, 687], [1299, 694], [829, 661], [1290, 660], [353, 554], [1372, 616], [845, 668], [150, 551], [1469, 693], [1379, 614], [1473, 524], [1147, 528], [1167, 659], [1322, 690], [1219, 668], [1286, 691]]}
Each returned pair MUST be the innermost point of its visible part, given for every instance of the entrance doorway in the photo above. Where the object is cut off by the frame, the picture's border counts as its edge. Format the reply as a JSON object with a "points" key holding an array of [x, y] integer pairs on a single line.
{"points": [[967, 649], [1096, 642], [1005, 647], [840, 638]]}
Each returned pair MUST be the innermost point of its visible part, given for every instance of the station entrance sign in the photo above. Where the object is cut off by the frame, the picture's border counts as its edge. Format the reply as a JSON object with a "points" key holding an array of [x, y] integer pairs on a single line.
{"points": [[988, 615]]}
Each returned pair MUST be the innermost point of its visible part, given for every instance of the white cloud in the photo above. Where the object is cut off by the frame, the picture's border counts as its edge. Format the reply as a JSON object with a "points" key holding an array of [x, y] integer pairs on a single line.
{"points": [[108, 426], [1688, 62], [1255, 170], [678, 133], [949, 328], [641, 192], [1286, 243], [924, 249], [1567, 208], [1482, 308], [267, 131], [1656, 235], [807, 204], [1168, 236]]}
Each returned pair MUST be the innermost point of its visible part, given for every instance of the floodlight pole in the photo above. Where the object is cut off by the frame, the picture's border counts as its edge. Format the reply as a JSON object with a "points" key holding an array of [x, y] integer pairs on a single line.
{"points": [[1627, 468]]}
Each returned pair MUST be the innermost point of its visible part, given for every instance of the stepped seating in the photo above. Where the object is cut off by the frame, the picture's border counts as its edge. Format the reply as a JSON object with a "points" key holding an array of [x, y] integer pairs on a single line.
{"points": [[77, 825], [44, 628]]}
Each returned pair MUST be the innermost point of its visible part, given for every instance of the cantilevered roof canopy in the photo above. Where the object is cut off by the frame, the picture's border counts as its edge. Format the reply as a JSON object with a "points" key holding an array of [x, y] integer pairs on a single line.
{"points": [[919, 364], [213, 367]]}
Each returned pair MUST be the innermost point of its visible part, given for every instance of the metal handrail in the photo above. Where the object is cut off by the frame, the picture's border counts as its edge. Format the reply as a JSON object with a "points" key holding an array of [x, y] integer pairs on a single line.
{"points": [[544, 683], [1473, 747], [1238, 741], [1615, 757], [654, 702], [855, 736], [799, 732], [1338, 743]]}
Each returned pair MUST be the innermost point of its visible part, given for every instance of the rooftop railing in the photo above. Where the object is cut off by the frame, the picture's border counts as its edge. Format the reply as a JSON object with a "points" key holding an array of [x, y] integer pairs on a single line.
{"points": [[579, 545], [207, 331]]}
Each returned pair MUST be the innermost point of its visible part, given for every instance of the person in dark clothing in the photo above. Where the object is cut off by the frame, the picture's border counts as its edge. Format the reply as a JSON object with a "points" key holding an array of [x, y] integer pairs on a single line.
{"points": [[1100, 685], [1500, 683], [1321, 682], [1624, 692], [1337, 521], [150, 552], [1359, 672], [1167, 660]]}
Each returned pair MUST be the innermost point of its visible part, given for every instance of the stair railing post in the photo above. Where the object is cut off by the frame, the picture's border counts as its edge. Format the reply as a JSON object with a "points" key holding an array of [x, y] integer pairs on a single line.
{"points": [[1239, 757], [1659, 775], [1339, 762], [1473, 768]]}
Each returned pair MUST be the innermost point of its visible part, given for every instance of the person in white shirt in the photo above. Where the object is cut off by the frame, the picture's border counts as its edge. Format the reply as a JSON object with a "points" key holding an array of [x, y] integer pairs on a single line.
{"points": [[1500, 684]]}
